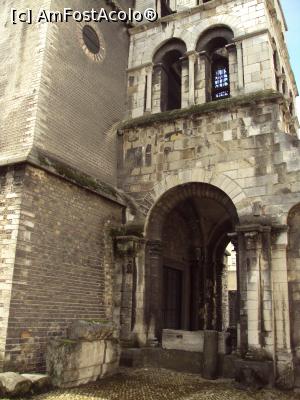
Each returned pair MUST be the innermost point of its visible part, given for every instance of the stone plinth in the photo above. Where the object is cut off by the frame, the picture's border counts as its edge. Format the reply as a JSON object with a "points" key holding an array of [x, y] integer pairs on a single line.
{"points": [[92, 354]]}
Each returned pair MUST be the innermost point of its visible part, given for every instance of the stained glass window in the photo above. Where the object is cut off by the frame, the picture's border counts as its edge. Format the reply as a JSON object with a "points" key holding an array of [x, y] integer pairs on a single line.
{"points": [[220, 81]]}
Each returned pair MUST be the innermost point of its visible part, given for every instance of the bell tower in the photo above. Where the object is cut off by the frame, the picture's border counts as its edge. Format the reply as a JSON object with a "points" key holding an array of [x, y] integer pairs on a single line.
{"points": [[211, 98]]}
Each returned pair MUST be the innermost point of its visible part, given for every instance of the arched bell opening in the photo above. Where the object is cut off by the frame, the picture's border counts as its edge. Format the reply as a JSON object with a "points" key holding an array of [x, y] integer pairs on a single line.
{"points": [[213, 46], [187, 235], [167, 73]]}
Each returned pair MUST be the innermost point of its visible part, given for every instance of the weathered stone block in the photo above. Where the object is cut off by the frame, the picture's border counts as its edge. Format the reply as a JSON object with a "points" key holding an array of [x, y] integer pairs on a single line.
{"points": [[71, 363], [254, 374], [210, 355], [112, 351], [40, 383], [13, 385], [109, 369]]}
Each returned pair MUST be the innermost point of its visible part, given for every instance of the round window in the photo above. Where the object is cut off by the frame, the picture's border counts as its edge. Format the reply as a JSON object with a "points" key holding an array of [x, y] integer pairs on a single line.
{"points": [[91, 39]]}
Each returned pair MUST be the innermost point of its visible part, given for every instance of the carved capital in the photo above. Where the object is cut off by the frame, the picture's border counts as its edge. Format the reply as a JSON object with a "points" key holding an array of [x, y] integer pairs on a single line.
{"points": [[234, 240], [279, 235], [204, 55], [252, 234], [231, 47], [127, 245], [192, 55], [159, 67]]}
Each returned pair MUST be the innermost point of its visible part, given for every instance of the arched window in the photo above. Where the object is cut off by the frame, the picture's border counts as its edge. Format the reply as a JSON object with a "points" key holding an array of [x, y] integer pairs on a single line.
{"points": [[213, 43], [220, 79], [167, 62]]}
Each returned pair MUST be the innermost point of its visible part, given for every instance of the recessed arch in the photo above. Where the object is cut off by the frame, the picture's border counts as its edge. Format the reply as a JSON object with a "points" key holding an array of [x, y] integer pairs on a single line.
{"points": [[209, 37], [186, 233], [167, 72], [197, 175], [166, 45], [178, 194], [213, 42]]}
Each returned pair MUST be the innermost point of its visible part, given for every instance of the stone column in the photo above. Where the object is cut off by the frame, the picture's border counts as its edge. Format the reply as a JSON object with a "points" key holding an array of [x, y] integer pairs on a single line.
{"points": [[235, 241], [126, 316], [204, 92], [208, 290], [252, 238], [281, 317], [232, 63], [184, 82], [192, 56], [158, 8], [242, 339], [219, 296], [195, 289], [253, 249], [126, 250], [149, 72], [139, 328], [156, 93], [155, 292], [240, 66]]}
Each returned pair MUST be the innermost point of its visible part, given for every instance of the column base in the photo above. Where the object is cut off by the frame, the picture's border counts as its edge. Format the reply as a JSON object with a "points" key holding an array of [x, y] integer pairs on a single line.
{"points": [[285, 371]]}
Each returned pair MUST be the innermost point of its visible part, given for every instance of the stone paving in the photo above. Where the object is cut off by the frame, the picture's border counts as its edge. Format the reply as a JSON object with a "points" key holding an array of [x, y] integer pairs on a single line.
{"points": [[160, 384]]}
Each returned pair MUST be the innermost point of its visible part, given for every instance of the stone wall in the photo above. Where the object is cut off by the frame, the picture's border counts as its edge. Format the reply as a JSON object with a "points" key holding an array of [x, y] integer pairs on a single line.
{"points": [[20, 73], [11, 185], [233, 144], [50, 70], [239, 146], [62, 268]]}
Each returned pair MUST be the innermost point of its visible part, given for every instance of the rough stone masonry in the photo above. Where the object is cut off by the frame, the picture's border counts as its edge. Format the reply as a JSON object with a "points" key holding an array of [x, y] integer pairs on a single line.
{"points": [[131, 155]]}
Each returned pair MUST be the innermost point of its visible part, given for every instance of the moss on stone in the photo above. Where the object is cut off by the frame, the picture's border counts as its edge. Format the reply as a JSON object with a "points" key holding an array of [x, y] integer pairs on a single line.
{"points": [[211, 106], [77, 177], [67, 342]]}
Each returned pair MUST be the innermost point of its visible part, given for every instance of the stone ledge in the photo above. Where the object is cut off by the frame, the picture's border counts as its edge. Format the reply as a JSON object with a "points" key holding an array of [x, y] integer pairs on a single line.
{"points": [[45, 161], [212, 106]]}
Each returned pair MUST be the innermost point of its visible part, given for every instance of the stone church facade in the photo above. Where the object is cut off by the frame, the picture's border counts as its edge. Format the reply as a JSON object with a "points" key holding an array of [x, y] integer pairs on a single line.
{"points": [[130, 157]]}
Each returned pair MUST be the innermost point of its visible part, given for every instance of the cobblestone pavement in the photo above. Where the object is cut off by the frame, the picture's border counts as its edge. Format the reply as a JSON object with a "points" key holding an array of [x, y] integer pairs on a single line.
{"points": [[160, 384]]}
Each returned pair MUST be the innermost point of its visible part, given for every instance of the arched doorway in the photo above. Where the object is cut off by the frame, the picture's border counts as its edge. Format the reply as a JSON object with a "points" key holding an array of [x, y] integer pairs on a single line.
{"points": [[187, 234]]}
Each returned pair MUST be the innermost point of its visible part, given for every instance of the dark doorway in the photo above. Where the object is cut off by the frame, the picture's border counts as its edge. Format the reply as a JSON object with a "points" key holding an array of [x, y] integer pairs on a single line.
{"points": [[172, 298]]}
